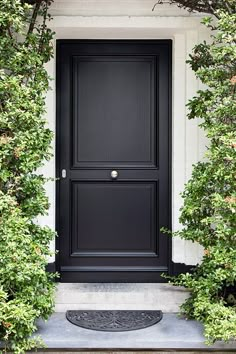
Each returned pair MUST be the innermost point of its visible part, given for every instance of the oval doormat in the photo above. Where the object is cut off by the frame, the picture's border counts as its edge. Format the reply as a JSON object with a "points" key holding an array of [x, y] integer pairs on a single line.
{"points": [[113, 321]]}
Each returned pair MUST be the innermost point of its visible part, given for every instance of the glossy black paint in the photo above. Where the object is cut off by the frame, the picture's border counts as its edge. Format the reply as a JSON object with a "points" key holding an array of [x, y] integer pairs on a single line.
{"points": [[113, 113]]}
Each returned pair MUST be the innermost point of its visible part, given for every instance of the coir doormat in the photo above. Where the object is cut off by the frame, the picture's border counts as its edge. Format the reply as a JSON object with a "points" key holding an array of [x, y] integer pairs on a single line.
{"points": [[113, 321]]}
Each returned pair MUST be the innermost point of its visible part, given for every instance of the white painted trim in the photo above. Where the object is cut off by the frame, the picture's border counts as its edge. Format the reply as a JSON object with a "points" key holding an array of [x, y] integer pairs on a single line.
{"points": [[168, 23], [185, 141], [115, 8], [191, 138], [178, 140]]}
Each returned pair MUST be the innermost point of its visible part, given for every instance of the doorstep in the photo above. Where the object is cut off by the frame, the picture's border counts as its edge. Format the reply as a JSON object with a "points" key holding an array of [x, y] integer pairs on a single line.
{"points": [[119, 296], [171, 334]]}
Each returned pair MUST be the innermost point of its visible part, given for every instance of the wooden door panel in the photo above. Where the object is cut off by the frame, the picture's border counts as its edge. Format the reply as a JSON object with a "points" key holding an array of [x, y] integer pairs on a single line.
{"points": [[113, 113], [116, 93], [119, 217]]}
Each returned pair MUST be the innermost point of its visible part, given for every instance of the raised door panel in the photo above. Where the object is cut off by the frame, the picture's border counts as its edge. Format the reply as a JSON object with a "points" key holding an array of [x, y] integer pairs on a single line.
{"points": [[114, 111], [114, 219]]}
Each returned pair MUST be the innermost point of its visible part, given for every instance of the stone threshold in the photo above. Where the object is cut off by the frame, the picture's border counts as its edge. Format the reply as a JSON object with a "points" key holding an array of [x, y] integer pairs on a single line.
{"points": [[119, 296], [172, 334]]}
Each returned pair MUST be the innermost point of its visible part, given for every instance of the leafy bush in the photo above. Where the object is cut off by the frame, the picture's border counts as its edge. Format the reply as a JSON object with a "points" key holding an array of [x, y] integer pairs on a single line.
{"points": [[206, 6], [26, 290], [208, 215]]}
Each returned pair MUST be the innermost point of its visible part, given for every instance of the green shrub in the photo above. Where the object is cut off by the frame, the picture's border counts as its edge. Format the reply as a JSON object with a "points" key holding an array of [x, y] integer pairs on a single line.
{"points": [[208, 215], [26, 290]]}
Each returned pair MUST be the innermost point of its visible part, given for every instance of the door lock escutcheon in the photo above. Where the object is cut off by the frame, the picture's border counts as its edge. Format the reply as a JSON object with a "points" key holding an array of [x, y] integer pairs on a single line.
{"points": [[63, 173]]}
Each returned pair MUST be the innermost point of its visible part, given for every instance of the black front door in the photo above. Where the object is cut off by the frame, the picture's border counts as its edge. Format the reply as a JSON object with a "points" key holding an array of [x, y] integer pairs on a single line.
{"points": [[113, 160]]}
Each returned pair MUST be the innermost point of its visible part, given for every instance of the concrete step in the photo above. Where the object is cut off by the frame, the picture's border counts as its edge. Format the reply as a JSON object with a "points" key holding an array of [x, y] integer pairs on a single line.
{"points": [[119, 296], [171, 334]]}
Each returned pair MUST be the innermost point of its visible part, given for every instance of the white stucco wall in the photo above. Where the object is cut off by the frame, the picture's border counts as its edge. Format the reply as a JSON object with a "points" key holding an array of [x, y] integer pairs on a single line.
{"points": [[134, 19]]}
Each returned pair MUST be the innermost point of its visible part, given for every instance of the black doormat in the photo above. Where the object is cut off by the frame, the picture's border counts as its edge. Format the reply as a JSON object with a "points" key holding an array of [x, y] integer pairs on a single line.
{"points": [[114, 321]]}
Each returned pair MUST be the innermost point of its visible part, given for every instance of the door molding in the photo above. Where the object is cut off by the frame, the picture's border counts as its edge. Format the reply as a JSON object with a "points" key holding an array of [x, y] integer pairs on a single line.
{"points": [[185, 32]]}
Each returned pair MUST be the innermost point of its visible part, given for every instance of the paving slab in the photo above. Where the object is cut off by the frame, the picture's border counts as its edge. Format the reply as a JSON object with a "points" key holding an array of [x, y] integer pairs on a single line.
{"points": [[171, 333]]}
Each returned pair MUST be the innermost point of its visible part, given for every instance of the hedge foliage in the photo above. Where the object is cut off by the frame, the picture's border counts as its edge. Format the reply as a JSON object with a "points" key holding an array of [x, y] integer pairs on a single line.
{"points": [[208, 214], [26, 290]]}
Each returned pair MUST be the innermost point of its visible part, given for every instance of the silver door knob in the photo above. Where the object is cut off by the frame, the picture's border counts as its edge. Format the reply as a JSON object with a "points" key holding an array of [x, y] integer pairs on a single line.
{"points": [[114, 174]]}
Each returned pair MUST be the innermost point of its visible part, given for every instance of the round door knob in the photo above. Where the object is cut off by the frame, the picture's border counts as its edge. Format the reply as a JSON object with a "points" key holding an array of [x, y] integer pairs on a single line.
{"points": [[114, 174]]}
